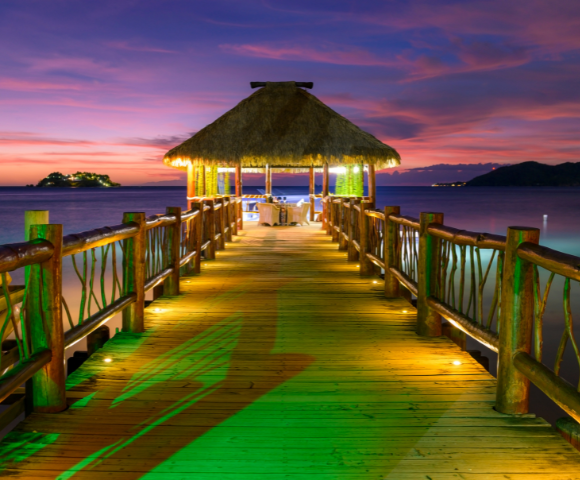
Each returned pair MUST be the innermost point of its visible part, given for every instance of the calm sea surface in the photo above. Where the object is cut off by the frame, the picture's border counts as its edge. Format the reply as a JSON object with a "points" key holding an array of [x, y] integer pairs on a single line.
{"points": [[480, 209]]}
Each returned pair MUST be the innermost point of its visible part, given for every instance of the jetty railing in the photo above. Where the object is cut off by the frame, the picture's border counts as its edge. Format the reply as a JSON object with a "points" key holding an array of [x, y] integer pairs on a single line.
{"points": [[151, 252], [486, 286]]}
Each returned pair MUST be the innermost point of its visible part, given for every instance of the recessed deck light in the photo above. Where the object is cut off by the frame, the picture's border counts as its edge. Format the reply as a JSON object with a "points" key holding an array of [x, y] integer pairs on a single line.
{"points": [[107, 360], [456, 362]]}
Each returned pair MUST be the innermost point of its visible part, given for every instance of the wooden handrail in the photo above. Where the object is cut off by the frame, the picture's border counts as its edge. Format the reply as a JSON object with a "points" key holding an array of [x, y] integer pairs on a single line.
{"points": [[99, 237], [465, 237], [405, 220], [405, 280], [187, 258], [482, 335], [18, 255], [559, 390], [189, 215], [155, 280], [15, 377], [375, 214], [76, 334], [552, 260], [376, 260], [159, 220]]}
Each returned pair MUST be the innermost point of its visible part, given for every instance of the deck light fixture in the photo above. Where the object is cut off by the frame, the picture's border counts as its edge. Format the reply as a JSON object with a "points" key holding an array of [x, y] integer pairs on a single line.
{"points": [[107, 360], [456, 362]]}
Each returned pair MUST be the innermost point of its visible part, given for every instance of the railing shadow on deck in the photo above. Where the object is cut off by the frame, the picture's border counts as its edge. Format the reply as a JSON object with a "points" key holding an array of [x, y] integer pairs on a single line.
{"points": [[486, 286], [215, 357]]}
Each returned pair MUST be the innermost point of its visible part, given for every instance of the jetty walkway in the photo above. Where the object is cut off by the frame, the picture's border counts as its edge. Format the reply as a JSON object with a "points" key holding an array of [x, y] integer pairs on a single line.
{"points": [[280, 362]]}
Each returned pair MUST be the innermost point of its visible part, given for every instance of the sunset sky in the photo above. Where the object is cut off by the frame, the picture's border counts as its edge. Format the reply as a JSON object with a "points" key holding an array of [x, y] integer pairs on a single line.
{"points": [[110, 86]]}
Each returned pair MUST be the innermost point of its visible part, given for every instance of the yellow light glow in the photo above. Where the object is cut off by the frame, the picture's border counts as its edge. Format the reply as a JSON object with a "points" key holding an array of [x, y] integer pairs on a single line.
{"points": [[107, 360], [374, 281], [157, 310], [456, 362], [358, 266], [404, 311]]}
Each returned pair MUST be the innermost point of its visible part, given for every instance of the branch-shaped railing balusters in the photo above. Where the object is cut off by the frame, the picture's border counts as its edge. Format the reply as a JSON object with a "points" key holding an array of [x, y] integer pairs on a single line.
{"points": [[152, 251], [487, 286]]}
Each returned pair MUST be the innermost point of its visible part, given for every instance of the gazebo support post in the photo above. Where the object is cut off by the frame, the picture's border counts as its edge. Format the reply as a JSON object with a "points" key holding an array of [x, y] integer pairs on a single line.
{"points": [[325, 205], [190, 184], [312, 193], [372, 184], [238, 180], [268, 180], [203, 190]]}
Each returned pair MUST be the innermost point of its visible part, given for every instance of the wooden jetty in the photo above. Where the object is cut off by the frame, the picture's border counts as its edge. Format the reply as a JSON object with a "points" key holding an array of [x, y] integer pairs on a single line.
{"points": [[274, 357]]}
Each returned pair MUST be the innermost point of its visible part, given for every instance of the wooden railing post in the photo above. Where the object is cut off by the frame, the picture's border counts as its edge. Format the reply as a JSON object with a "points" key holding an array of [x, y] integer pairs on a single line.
{"points": [[334, 215], [134, 274], [45, 320], [233, 215], [311, 191], [515, 325], [221, 243], [211, 249], [197, 225], [343, 224], [428, 321], [366, 266], [171, 283], [227, 218], [240, 215], [352, 251], [391, 242], [326, 215]]}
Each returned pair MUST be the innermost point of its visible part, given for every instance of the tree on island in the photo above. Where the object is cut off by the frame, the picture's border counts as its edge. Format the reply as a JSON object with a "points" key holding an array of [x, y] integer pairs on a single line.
{"points": [[78, 179]]}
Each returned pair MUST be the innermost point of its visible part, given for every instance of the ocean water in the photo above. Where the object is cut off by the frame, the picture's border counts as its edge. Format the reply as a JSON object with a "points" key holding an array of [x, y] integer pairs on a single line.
{"points": [[555, 211]]}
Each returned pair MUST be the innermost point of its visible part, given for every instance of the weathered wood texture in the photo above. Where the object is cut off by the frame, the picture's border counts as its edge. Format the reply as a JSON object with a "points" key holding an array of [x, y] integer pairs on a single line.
{"points": [[281, 362]]}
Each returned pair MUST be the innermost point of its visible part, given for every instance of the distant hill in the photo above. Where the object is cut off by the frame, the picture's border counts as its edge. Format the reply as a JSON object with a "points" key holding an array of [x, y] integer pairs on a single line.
{"points": [[530, 174]]}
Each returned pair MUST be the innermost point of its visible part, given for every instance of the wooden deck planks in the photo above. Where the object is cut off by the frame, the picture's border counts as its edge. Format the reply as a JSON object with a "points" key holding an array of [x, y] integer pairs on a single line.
{"points": [[280, 362]]}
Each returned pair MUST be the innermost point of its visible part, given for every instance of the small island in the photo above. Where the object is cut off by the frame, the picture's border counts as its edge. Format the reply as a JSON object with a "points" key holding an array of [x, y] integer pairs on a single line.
{"points": [[76, 180]]}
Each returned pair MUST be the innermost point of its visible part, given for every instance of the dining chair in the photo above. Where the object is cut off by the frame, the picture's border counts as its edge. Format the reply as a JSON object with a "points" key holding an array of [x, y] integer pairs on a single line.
{"points": [[299, 214], [269, 214]]}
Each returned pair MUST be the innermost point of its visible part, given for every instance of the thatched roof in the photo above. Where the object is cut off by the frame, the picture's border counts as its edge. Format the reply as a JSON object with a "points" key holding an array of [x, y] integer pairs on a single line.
{"points": [[282, 125]]}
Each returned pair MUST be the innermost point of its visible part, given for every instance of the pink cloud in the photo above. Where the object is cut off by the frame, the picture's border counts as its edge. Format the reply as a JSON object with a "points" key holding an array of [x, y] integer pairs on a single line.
{"points": [[137, 48], [21, 85], [335, 54]]}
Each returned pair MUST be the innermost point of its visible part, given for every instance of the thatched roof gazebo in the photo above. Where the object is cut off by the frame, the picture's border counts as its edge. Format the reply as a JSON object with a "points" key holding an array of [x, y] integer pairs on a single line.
{"points": [[281, 125]]}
